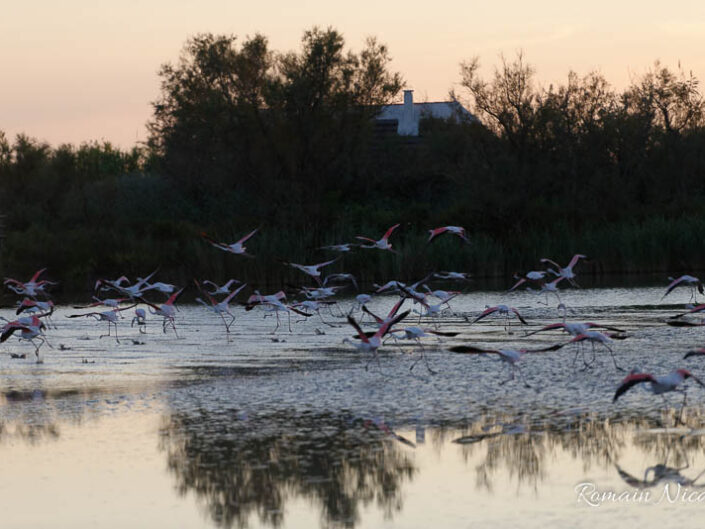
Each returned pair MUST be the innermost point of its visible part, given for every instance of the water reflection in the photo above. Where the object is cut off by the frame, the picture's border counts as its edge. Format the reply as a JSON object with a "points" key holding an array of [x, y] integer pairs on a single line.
{"points": [[241, 466]]}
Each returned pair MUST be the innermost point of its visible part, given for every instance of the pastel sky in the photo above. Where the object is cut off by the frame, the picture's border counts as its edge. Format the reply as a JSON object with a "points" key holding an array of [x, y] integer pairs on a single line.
{"points": [[80, 70]]}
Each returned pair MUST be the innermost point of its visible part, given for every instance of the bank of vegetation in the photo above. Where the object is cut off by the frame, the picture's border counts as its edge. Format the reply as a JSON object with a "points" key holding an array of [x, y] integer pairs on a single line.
{"points": [[243, 136]]}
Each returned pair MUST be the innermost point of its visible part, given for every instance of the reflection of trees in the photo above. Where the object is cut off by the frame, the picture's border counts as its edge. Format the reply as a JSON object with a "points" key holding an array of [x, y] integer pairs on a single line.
{"points": [[523, 447], [239, 467], [34, 416]]}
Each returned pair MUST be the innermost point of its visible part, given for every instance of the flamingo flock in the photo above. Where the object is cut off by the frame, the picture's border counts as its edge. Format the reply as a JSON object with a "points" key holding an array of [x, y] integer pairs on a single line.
{"points": [[223, 300]]}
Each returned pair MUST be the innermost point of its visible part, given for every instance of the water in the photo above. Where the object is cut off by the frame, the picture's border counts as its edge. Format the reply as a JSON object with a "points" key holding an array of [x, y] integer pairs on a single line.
{"points": [[298, 430]]}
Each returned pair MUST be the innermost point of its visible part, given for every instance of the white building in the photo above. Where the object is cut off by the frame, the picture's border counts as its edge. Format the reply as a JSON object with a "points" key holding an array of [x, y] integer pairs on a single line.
{"points": [[409, 114]]}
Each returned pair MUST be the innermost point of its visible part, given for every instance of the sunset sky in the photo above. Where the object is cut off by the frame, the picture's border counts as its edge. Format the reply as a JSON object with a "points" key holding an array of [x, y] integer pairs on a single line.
{"points": [[81, 70]]}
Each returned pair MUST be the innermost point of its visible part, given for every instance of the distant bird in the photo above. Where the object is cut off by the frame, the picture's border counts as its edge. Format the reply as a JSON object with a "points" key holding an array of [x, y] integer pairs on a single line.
{"points": [[340, 277], [217, 290], [503, 310], [567, 271], [313, 270], [509, 356], [455, 276], [236, 248], [658, 384], [381, 244], [454, 230], [685, 280], [346, 247]]}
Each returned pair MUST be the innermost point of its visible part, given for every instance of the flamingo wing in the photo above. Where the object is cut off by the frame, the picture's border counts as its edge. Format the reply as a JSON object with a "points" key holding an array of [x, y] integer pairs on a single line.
{"points": [[485, 313], [630, 381], [390, 230], [471, 349], [248, 236], [515, 311], [696, 352]]}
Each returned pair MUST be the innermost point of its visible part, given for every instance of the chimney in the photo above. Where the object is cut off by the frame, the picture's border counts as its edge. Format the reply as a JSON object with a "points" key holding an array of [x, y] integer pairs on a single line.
{"points": [[407, 124]]}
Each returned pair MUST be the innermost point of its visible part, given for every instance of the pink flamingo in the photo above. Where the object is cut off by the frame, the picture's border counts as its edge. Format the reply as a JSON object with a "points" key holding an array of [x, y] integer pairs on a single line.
{"points": [[566, 272], [236, 248], [455, 230], [691, 281], [510, 356], [381, 244], [501, 309], [30, 328]]}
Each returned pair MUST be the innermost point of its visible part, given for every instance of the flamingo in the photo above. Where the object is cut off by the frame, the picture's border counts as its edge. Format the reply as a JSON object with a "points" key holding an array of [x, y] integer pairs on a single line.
{"points": [[566, 272], [111, 316], [416, 333], [510, 356], [313, 270], [537, 277], [236, 248], [551, 288], [444, 295], [341, 277], [131, 291], [224, 289], [455, 230], [455, 276], [381, 244], [46, 308], [345, 247], [31, 288], [220, 308], [140, 319], [370, 344], [658, 384], [110, 302], [597, 337], [167, 310], [501, 309], [30, 329], [691, 281]]}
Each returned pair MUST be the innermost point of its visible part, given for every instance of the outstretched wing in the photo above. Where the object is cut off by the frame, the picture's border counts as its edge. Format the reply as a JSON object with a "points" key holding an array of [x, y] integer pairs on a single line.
{"points": [[630, 381]]}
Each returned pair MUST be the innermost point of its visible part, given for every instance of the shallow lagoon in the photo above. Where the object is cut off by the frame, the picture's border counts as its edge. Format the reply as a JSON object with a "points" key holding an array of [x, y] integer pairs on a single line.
{"points": [[291, 430]]}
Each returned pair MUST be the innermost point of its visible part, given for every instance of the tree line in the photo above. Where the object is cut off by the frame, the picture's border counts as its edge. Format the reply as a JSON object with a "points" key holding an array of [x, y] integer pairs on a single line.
{"points": [[243, 136]]}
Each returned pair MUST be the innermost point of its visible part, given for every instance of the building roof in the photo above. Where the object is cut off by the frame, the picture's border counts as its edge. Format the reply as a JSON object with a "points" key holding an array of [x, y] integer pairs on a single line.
{"points": [[408, 114]]}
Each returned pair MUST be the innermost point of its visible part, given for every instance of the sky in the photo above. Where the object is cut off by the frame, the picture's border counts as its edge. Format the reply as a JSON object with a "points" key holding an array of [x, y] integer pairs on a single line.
{"points": [[78, 70]]}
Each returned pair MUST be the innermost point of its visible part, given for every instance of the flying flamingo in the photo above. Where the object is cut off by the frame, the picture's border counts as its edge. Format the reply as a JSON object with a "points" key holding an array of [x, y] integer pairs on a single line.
{"points": [[167, 310], [510, 356], [220, 308], [501, 309], [597, 337], [313, 270], [455, 230], [236, 248], [536, 277], [370, 344], [658, 384], [224, 289], [111, 316], [691, 281], [455, 276], [567, 272], [31, 288], [341, 277], [381, 244], [345, 247], [416, 333], [30, 328]]}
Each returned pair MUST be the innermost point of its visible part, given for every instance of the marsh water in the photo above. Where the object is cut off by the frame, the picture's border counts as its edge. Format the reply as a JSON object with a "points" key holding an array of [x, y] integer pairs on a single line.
{"points": [[296, 429]]}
